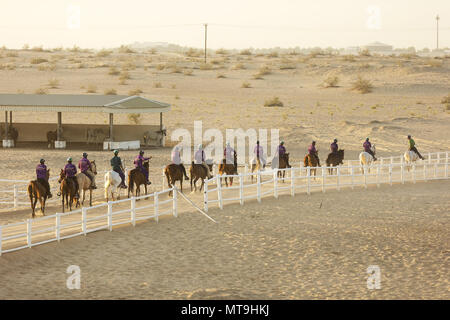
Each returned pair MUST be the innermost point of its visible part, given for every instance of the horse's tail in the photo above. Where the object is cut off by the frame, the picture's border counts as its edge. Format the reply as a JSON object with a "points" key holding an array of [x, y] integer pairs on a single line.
{"points": [[30, 190], [166, 172], [305, 161], [130, 182]]}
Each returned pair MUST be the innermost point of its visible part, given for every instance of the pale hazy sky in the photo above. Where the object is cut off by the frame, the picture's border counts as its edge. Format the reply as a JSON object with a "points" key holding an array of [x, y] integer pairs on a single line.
{"points": [[232, 23]]}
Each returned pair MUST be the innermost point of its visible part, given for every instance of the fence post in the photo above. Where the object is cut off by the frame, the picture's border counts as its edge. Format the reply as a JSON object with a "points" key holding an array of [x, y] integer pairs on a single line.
{"points": [[338, 173], [446, 165], [258, 186], [162, 181], [323, 179], [390, 174], [429, 157], [84, 220], [110, 216], [0, 240], [174, 204], [29, 229], [435, 170], [133, 211], [275, 184], [205, 195], [366, 168], [292, 181], [241, 189], [414, 172], [58, 225], [156, 205], [392, 159], [378, 175], [308, 176], [438, 157], [352, 172], [219, 191], [402, 172], [16, 197]]}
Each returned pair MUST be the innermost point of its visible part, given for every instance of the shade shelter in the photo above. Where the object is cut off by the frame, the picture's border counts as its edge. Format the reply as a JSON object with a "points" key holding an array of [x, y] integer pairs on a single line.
{"points": [[59, 103]]}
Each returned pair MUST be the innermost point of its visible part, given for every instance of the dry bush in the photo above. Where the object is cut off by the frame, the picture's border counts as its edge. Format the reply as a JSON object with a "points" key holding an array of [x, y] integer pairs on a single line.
{"points": [[176, 69], [103, 53], [264, 70], [330, 82], [364, 66], [245, 52], [206, 66], [101, 65], [123, 82], [408, 55], [152, 51], [365, 53], [348, 58], [38, 60], [37, 49], [91, 88], [75, 49], [315, 53], [157, 85], [134, 118], [124, 75], [130, 65], [160, 67], [216, 61], [434, 63], [113, 71], [246, 84], [135, 92], [12, 54], [221, 51], [258, 76], [362, 85], [41, 91], [53, 83], [446, 99], [273, 54], [274, 102], [125, 49], [221, 76], [191, 52], [8, 66], [110, 91], [238, 66], [188, 72], [287, 64]]}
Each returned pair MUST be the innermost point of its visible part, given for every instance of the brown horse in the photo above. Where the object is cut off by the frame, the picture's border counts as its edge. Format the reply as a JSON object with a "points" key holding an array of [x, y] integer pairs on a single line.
{"points": [[310, 161], [198, 171], [283, 163], [256, 166], [37, 191], [335, 159], [173, 174], [228, 169], [68, 191], [136, 177]]}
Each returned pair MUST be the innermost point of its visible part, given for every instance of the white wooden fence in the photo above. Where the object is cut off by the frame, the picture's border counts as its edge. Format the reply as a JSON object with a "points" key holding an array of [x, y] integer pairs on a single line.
{"points": [[301, 179], [105, 216]]}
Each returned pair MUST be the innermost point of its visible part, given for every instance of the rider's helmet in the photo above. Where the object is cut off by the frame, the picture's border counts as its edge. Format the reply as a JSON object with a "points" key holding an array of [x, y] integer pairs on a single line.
{"points": [[282, 142], [313, 142], [257, 142], [42, 161], [409, 136], [141, 152], [69, 159], [116, 152], [85, 155], [228, 144], [335, 140], [200, 146], [367, 139]]}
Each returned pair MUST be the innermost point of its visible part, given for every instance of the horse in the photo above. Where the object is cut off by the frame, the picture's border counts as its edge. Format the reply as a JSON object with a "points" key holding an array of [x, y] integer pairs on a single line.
{"points": [[198, 171], [95, 136], [410, 157], [173, 174], [37, 191], [12, 134], [135, 176], [112, 183], [68, 191], [281, 163], [334, 159], [157, 136], [228, 169], [312, 162], [255, 166], [84, 183], [366, 159], [52, 136]]}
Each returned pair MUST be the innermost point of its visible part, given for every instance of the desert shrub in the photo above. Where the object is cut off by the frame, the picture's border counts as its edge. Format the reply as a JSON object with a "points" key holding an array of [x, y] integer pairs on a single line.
{"points": [[41, 91], [362, 85], [103, 53], [123, 82], [238, 66], [330, 82], [160, 67], [134, 118], [12, 54], [113, 71], [286, 64], [206, 66], [365, 53], [434, 63], [110, 91], [245, 52], [220, 76], [273, 54], [258, 76], [446, 99], [221, 51], [246, 84], [91, 88], [38, 60], [157, 85], [264, 70], [191, 52], [348, 58], [130, 65], [408, 55], [53, 83], [124, 75], [125, 49], [176, 69], [37, 49], [274, 102], [188, 72]]}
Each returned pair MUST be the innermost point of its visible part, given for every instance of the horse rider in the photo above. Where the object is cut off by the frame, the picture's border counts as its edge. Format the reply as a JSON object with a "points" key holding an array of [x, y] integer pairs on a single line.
{"points": [[41, 176], [229, 154], [85, 167], [368, 148], [199, 158], [281, 149], [334, 146], [312, 151], [412, 147], [116, 164], [70, 171], [176, 159], [259, 153], [139, 164]]}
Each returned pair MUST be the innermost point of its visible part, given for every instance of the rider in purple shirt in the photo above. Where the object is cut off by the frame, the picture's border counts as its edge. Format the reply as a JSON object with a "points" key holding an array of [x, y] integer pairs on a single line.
{"points": [[70, 172], [368, 148], [139, 163], [85, 167], [313, 151], [334, 146], [41, 176], [281, 149]]}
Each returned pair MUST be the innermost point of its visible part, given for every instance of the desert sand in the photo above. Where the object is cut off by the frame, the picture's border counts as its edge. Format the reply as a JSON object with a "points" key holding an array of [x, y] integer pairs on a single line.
{"points": [[286, 248]]}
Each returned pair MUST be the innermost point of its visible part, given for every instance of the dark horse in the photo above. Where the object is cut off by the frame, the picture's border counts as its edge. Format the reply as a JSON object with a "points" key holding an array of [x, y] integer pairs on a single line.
{"points": [[68, 191], [36, 191], [173, 174], [228, 169], [198, 171], [52, 136], [135, 176], [283, 163], [12, 134], [312, 162], [335, 159]]}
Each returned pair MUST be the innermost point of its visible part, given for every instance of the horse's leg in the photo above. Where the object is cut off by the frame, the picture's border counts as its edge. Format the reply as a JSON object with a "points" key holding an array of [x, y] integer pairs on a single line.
{"points": [[90, 197], [195, 183], [203, 182], [33, 205], [231, 181], [62, 202]]}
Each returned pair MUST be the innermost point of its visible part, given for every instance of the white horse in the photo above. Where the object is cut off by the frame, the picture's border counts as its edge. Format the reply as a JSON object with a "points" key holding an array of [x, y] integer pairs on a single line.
{"points": [[112, 182], [366, 159], [410, 157]]}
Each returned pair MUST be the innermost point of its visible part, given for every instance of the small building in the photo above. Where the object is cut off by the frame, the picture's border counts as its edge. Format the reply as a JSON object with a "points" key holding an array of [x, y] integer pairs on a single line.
{"points": [[110, 135], [378, 47]]}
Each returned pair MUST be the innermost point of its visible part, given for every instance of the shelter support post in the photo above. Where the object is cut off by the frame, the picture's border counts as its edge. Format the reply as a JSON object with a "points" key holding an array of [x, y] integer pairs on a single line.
{"points": [[111, 120], [59, 143], [7, 141]]}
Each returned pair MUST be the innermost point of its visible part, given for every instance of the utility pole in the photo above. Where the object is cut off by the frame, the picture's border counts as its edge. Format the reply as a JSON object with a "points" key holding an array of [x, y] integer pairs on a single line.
{"points": [[437, 32], [206, 37]]}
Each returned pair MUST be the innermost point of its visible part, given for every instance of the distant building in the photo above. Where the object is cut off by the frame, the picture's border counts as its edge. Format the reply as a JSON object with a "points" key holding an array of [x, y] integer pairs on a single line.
{"points": [[378, 47]]}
